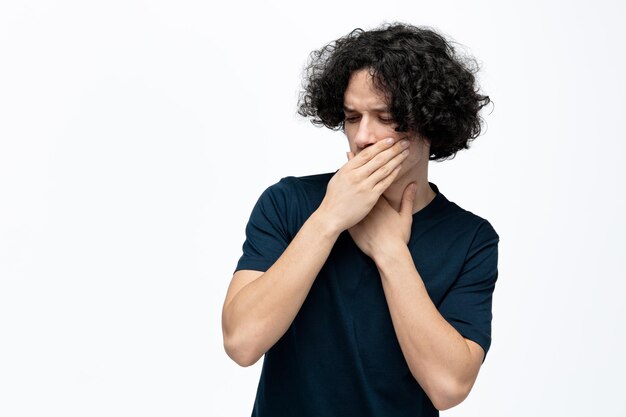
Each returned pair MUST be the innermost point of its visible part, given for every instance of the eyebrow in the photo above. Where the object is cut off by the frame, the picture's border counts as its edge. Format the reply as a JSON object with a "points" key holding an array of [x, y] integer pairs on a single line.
{"points": [[380, 109]]}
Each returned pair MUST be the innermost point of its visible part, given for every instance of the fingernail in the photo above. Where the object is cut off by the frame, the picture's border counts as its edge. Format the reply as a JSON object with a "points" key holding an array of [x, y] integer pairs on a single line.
{"points": [[404, 143], [389, 141]]}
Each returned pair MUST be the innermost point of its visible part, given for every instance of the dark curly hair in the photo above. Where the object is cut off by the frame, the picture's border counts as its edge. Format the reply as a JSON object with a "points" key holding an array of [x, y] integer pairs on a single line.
{"points": [[429, 88]]}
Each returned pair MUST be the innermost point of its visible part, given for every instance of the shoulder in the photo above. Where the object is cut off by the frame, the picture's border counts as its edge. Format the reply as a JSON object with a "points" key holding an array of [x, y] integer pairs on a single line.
{"points": [[308, 190], [468, 221], [294, 183], [476, 220], [296, 197], [309, 182]]}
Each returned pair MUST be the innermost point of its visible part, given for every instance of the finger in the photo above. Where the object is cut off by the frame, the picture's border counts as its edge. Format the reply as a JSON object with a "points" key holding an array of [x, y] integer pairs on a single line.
{"points": [[385, 170], [371, 151], [408, 197], [383, 184], [383, 158]]}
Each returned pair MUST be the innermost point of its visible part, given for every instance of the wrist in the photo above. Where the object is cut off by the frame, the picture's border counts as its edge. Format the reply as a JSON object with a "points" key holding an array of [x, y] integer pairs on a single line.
{"points": [[324, 224], [391, 254]]}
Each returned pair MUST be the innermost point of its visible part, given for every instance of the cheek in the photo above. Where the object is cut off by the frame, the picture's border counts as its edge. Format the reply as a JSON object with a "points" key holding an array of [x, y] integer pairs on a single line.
{"points": [[416, 153], [349, 136], [386, 131], [350, 131]]}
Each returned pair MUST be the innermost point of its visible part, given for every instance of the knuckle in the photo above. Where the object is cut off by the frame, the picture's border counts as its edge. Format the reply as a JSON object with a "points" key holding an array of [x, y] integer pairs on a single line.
{"points": [[379, 159], [385, 170], [366, 154], [360, 188]]}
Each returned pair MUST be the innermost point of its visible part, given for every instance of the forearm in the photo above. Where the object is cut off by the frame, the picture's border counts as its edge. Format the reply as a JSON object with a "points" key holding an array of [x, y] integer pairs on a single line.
{"points": [[262, 311], [437, 355]]}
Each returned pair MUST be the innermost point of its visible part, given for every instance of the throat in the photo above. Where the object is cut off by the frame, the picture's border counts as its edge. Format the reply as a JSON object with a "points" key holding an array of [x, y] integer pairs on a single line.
{"points": [[423, 195]]}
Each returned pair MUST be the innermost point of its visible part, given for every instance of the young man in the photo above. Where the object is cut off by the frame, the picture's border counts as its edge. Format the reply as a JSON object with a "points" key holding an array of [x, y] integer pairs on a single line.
{"points": [[366, 289]]}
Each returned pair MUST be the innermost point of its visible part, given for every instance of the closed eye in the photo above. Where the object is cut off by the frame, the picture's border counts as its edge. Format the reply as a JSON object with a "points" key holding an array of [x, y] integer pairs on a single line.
{"points": [[353, 119]]}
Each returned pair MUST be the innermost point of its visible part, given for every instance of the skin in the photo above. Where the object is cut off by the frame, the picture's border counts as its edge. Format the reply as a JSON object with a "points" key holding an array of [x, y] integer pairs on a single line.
{"points": [[367, 121], [371, 196], [444, 363], [260, 306]]}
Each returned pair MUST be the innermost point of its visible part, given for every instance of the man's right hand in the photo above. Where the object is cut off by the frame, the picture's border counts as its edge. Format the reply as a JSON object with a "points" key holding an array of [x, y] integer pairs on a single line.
{"points": [[357, 186], [260, 306]]}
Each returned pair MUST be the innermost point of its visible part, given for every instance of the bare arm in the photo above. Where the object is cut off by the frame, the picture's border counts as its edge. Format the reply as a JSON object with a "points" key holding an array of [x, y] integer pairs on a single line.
{"points": [[260, 307], [259, 314], [444, 363]]}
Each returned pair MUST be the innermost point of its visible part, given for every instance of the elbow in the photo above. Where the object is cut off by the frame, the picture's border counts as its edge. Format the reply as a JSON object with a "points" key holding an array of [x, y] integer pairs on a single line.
{"points": [[238, 348], [238, 343], [450, 396], [239, 354], [444, 391], [241, 358]]}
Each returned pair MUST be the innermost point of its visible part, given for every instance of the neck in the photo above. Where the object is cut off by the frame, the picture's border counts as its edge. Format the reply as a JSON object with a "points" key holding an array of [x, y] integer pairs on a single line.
{"points": [[423, 195]]}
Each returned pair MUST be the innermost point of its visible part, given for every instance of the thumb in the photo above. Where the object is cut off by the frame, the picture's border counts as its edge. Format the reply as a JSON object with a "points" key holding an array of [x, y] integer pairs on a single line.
{"points": [[408, 197]]}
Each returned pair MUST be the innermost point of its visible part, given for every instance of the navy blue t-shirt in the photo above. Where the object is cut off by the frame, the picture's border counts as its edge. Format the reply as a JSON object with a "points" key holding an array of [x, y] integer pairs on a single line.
{"points": [[340, 356]]}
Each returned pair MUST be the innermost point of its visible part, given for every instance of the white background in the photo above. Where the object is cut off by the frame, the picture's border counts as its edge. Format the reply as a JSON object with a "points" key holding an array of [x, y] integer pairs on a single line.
{"points": [[135, 137]]}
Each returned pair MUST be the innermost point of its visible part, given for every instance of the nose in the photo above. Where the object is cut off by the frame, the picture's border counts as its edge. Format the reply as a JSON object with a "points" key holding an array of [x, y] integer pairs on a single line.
{"points": [[365, 134]]}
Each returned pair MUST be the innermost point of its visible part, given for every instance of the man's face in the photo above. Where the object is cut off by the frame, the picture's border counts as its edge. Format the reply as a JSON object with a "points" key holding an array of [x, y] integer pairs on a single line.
{"points": [[368, 120]]}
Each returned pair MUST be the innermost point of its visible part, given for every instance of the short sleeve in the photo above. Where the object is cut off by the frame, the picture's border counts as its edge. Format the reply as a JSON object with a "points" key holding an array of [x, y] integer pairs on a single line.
{"points": [[267, 231], [467, 305]]}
